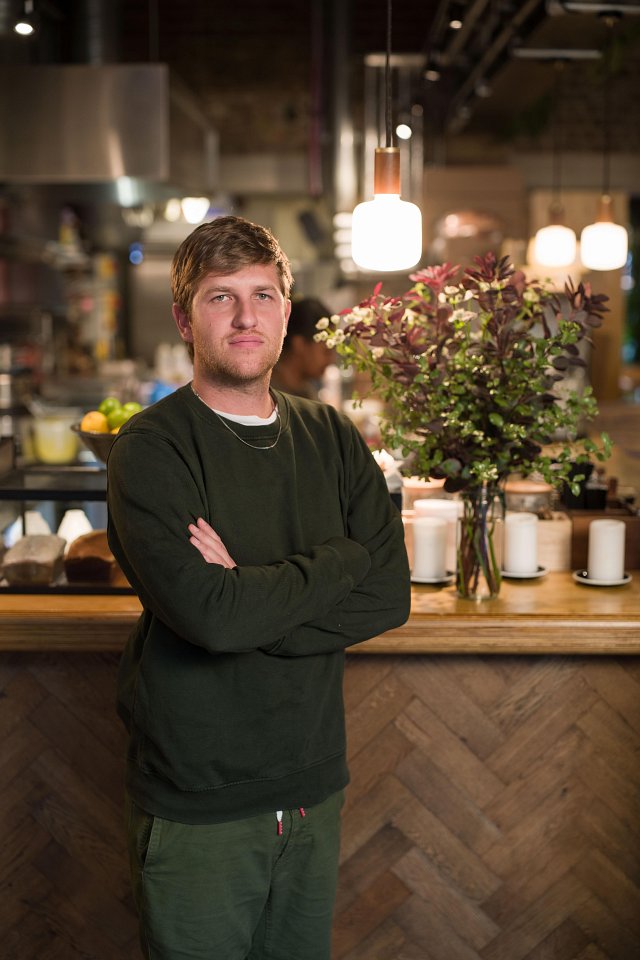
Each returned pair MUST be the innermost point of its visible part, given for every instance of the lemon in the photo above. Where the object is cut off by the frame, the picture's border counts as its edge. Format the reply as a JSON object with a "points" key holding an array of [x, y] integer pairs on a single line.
{"points": [[94, 422], [132, 407], [108, 405]]}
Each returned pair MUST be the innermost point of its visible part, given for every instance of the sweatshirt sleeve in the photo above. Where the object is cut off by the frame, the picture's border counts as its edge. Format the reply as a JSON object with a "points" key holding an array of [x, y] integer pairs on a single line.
{"points": [[382, 599], [151, 495]]}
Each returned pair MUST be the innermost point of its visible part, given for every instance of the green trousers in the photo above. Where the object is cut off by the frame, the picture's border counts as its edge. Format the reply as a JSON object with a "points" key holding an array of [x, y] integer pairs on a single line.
{"points": [[254, 889]]}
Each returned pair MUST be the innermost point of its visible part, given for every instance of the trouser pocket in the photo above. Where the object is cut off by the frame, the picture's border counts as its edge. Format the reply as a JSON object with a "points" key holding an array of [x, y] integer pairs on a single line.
{"points": [[143, 831]]}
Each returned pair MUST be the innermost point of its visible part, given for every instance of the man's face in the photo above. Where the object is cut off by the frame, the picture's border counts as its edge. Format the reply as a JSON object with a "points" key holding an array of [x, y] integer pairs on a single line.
{"points": [[237, 325]]}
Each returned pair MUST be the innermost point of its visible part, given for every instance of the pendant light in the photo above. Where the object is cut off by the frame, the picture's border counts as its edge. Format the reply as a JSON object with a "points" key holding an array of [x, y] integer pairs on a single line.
{"points": [[24, 25], [386, 231], [555, 244], [604, 244]]}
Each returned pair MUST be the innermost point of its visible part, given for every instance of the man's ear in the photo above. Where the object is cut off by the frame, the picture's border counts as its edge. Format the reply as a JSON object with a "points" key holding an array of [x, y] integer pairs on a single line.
{"points": [[287, 313], [182, 323]]}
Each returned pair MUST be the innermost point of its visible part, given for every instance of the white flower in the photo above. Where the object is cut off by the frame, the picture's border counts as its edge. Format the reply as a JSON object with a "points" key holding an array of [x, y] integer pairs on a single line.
{"points": [[377, 352], [322, 324], [462, 315]]}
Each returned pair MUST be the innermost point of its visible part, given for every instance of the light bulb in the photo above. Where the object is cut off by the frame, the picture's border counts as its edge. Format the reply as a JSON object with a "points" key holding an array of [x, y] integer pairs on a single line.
{"points": [[24, 25], [555, 246], [386, 231], [195, 209], [604, 244], [173, 210]]}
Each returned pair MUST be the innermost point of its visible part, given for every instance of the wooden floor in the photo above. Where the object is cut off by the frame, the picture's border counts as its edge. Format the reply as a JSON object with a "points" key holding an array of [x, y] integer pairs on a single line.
{"points": [[494, 810]]}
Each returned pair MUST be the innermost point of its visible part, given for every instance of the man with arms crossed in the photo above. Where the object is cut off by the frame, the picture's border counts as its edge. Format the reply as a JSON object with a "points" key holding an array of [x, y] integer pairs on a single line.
{"points": [[257, 531]]}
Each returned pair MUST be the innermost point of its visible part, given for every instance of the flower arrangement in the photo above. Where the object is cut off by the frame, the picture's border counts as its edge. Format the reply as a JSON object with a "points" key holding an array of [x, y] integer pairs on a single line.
{"points": [[472, 367], [470, 371]]}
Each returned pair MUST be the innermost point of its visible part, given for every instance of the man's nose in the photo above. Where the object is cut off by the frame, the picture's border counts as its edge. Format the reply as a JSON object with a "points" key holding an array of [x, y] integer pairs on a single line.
{"points": [[245, 313]]}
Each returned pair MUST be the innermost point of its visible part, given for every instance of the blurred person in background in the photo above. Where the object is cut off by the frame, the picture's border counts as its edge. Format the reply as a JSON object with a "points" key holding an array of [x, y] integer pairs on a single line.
{"points": [[303, 361]]}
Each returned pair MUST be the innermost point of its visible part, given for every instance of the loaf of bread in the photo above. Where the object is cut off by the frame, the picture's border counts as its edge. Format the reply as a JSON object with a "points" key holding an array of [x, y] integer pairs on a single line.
{"points": [[34, 560], [89, 560]]}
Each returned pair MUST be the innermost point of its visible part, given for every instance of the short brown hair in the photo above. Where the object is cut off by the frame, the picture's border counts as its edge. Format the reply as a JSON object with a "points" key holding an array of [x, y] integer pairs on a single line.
{"points": [[224, 245]]}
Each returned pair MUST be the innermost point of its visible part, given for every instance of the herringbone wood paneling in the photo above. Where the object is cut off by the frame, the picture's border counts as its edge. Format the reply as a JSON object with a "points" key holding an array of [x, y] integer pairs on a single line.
{"points": [[503, 793], [64, 884], [493, 813]]}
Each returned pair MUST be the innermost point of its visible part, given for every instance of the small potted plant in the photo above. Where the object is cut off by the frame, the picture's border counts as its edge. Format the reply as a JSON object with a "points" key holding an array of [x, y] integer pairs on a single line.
{"points": [[472, 367]]}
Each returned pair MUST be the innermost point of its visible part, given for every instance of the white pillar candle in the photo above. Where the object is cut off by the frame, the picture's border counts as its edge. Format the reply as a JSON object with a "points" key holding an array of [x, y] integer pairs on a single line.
{"points": [[448, 510], [606, 550], [429, 548], [520, 543]]}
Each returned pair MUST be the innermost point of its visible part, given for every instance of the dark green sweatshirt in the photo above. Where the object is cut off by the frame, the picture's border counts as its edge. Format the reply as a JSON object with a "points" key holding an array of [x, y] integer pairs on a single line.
{"points": [[231, 683]]}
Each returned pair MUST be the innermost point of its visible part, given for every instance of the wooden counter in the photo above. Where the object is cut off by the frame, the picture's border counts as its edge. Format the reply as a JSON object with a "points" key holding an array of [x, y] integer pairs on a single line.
{"points": [[551, 615], [494, 800]]}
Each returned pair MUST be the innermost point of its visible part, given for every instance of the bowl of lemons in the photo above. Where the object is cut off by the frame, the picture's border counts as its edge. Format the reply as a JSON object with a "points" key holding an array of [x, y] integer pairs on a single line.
{"points": [[98, 428]]}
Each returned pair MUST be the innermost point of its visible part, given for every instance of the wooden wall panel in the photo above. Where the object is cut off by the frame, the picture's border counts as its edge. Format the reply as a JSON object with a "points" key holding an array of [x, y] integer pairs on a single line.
{"points": [[511, 816], [493, 813]]}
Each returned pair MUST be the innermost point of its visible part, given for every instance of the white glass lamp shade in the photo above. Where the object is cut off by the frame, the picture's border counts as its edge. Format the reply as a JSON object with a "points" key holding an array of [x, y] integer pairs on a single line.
{"points": [[555, 246], [386, 233], [24, 28], [195, 209], [604, 244]]}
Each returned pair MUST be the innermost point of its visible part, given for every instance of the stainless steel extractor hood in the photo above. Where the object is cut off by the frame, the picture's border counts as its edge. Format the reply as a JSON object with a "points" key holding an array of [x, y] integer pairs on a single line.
{"points": [[91, 124]]}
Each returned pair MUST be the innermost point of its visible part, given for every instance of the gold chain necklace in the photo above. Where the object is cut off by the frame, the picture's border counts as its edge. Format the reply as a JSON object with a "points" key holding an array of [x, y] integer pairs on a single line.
{"points": [[224, 423]]}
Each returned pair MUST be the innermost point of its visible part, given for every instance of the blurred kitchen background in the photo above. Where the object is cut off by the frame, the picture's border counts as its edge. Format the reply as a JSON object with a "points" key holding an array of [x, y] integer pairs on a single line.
{"points": [[126, 123]]}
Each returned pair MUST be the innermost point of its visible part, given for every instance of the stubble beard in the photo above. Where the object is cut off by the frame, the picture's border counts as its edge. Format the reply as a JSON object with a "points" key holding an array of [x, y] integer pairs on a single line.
{"points": [[240, 372]]}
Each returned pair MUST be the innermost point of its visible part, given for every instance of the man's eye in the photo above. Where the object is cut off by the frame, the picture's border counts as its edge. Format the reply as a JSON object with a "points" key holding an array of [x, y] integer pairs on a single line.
{"points": [[219, 297], [263, 296]]}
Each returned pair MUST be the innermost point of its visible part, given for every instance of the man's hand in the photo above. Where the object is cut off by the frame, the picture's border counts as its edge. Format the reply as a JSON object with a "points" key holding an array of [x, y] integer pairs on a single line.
{"points": [[207, 541]]}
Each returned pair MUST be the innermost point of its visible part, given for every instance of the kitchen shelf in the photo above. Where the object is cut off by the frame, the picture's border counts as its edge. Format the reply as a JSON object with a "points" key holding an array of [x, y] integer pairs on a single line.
{"points": [[75, 482], [82, 482]]}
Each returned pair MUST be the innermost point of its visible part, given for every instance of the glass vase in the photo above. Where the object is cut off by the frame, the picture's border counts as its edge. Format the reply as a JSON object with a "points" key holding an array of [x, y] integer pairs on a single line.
{"points": [[479, 543]]}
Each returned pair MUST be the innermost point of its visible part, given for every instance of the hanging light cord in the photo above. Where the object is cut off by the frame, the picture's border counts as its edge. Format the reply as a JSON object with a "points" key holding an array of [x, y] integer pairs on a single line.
{"points": [[556, 177], [387, 79], [606, 120], [606, 124]]}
